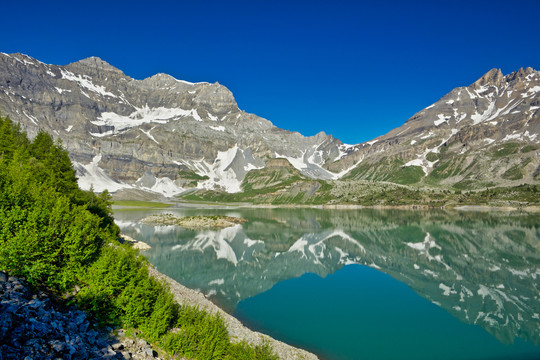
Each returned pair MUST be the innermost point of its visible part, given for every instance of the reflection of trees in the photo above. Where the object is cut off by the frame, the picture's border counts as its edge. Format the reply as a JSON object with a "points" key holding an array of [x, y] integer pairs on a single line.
{"points": [[481, 267]]}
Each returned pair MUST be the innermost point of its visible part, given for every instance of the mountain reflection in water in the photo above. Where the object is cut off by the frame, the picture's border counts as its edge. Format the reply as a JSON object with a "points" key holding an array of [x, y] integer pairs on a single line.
{"points": [[483, 268]]}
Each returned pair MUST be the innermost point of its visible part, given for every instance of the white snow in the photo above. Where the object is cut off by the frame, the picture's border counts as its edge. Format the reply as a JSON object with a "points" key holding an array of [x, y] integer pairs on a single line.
{"points": [[218, 128], [442, 119], [147, 133], [219, 173], [51, 73], [31, 117], [423, 162], [91, 175], [413, 142], [418, 162], [106, 133], [195, 115], [297, 162], [531, 91], [68, 129], [61, 90], [144, 115], [213, 117], [346, 171], [372, 142], [489, 141], [85, 82], [478, 118], [164, 186]]}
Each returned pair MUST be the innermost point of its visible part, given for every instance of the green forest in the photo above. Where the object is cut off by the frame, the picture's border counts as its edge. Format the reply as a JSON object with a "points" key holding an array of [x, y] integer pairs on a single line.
{"points": [[58, 237]]}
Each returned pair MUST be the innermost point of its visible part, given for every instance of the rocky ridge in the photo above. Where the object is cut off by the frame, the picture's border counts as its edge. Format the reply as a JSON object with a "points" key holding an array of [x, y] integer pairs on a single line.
{"points": [[481, 135], [167, 136], [125, 134]]}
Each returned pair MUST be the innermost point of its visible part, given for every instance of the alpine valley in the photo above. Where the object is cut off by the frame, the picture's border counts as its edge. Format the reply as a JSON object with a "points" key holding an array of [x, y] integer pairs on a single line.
{"points": [[166, 137]]}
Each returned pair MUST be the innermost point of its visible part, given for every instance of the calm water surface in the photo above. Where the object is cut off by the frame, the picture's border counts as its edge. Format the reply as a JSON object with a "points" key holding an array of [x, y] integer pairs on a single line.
{"points": [[365, 284]]}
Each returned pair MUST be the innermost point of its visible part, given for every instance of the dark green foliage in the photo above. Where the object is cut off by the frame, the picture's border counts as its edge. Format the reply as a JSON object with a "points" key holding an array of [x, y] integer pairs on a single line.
{"points": [[432, 156], [191, 175], [387, 169], [242, 351], [117, 289], [45, 236], [528, 148], [516, 172], [505, 150], [56, 235], [202, 336]]}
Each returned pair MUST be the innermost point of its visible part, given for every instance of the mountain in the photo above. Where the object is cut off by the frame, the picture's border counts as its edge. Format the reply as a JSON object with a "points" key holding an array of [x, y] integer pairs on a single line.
{"points": [[166, 136], [481, 135], [158, 134]]}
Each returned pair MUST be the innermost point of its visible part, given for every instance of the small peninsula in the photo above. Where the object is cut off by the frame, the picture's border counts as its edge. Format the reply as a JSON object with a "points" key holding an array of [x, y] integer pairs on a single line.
{"points": [[194, 222]]}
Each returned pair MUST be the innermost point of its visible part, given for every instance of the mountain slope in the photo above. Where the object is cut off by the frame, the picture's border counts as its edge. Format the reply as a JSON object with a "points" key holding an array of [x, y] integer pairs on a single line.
{"points": [[124, 133], [167, 136], [485, 134]]}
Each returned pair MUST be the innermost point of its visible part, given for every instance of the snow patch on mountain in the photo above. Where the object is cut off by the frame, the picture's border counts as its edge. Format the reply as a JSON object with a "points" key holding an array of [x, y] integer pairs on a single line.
{"points": [[86, 83], [144, 115], [228, 169], [92, 176]]}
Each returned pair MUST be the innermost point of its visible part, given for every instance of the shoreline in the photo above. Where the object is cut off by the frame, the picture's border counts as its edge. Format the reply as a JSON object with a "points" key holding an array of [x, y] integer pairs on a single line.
{"points": [[237, 331], [466, 207]]}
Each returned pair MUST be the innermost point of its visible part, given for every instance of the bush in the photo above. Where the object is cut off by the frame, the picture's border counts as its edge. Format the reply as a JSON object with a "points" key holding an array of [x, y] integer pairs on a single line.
{"points": [[56, 235]]}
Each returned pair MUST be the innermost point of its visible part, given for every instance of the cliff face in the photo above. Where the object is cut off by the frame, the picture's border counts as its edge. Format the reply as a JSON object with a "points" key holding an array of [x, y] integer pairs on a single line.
{"points": [[126, 134], [482, 134], [118, 129]]}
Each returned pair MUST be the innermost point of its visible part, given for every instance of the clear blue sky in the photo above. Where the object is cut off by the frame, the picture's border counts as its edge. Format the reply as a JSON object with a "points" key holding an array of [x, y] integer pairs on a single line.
{"points": [[351, 69]]}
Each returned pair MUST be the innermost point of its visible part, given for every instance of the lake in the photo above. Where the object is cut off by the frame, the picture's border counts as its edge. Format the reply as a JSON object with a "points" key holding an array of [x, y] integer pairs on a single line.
{"points": [[365, 284]]}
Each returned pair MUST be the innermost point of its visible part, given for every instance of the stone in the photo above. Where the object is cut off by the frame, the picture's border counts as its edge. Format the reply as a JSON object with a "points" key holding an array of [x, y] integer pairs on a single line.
{"points": [[148, 352]]}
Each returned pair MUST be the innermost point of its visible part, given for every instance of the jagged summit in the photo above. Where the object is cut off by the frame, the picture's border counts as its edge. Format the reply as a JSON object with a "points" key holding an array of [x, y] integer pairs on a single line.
{"points": [[120, 130], [166, 135], [96, 63], [492, 77]]}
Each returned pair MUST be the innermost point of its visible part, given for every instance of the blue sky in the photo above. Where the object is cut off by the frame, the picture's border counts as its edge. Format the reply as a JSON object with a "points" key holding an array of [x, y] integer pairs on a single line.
{"points": [[352, 69]]}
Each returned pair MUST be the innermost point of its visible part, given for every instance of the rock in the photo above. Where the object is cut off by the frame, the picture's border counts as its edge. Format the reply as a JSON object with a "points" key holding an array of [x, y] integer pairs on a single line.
{"points": [[31, 327], [118, 346], [191, 122], [148, 351]]}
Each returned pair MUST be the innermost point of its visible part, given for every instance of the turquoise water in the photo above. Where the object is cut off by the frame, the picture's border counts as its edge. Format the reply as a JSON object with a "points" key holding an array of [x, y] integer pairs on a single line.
{"points": [[361, 313], [366, 284]]}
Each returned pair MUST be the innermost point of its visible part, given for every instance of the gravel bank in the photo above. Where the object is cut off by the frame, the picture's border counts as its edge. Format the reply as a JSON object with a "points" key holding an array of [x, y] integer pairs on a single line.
{"points": [[237, 331]]}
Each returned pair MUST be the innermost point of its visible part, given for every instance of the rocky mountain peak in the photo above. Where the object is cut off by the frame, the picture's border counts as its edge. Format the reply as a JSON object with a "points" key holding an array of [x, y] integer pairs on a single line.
{"points": [[492, 77], [217, 98], [93, 64]]}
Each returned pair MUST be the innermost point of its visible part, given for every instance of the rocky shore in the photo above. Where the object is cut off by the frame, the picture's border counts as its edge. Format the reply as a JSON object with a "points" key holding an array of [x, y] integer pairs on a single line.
{"points": [[32, 326]]}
